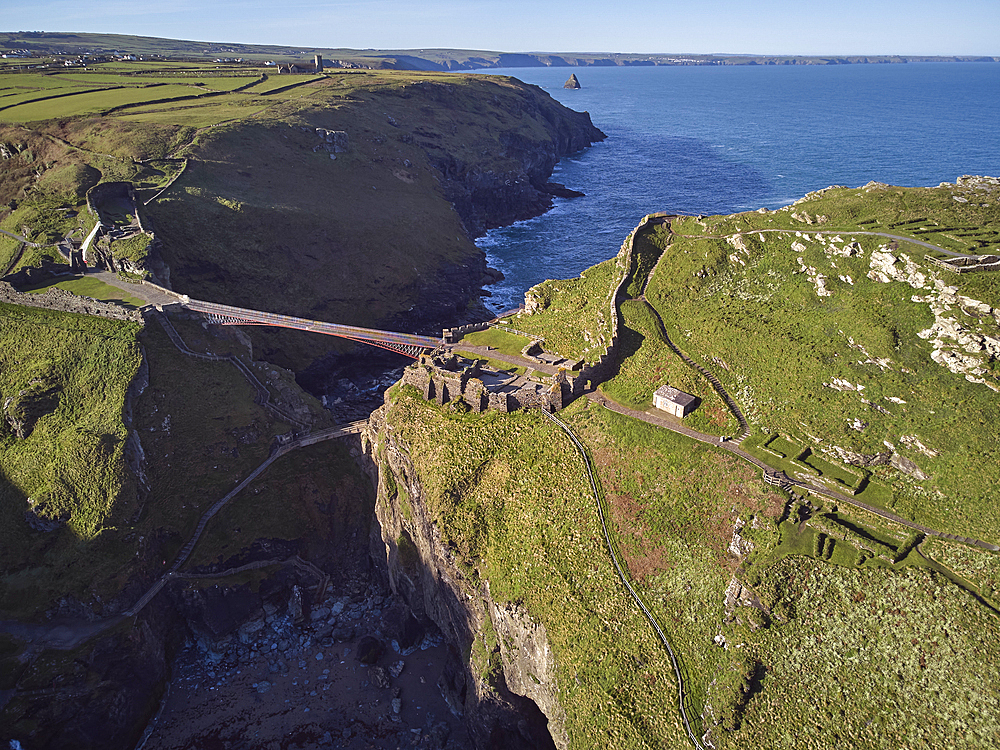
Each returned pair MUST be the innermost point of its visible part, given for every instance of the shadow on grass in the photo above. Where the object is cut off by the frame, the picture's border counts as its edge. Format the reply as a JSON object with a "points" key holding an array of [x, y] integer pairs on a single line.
{"points": [[13, 528], [629, 343]]}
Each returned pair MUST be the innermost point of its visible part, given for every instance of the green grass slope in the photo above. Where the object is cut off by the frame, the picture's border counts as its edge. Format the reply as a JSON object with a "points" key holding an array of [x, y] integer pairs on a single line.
{"points": [[876, 655], [830, 334], [264, 213], [797, 625], [67, 375], [850, 364]]}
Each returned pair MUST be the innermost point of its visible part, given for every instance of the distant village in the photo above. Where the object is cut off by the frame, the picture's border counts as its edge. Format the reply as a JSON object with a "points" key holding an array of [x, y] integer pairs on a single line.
{"points": [[45, 60]]}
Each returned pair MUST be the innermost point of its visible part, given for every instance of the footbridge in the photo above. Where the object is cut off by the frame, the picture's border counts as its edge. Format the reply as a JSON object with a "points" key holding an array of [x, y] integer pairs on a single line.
{"points": [[402, 343]]}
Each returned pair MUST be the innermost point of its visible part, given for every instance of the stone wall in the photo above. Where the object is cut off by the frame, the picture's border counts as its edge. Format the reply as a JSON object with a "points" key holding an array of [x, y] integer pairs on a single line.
{"points": [[603, 367], [967, 263], [106, 191], [437, 382], [60, 299], [451, 335]]}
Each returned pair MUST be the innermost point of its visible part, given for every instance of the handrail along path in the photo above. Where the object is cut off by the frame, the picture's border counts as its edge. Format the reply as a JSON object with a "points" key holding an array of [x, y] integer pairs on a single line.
{"points": [[624, 577]]}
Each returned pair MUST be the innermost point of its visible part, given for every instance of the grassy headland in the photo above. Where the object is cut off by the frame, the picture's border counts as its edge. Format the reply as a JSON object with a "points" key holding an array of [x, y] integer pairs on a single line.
{"points": [[325, 196], [858, 363]]}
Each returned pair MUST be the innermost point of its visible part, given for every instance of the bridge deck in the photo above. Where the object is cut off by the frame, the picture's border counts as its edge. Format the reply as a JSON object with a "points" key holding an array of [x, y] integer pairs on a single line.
{"points": [[239, 315]]}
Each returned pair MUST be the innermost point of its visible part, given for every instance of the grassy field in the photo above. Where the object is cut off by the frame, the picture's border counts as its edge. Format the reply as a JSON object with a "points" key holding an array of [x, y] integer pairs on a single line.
{"points": [[790, 311], [865, 375], [510, 493], [87, 287], [573, 315], [504, 342], [649, 363], [71, 373], [93, 102], [66, 376]]}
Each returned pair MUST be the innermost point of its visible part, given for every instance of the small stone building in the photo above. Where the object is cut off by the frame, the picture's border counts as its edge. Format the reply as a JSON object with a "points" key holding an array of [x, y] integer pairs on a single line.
{"points": [[675, 402]]}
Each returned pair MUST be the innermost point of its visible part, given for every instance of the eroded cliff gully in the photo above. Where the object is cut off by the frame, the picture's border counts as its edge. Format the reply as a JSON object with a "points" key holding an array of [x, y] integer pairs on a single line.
{"points": [[501, 675]]}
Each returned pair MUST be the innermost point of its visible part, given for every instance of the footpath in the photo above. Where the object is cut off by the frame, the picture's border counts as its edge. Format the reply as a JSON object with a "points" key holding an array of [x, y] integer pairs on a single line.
{"points": [[67, 635]]}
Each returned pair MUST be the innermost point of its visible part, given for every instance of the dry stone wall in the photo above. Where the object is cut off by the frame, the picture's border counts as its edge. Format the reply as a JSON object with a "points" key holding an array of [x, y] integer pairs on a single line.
{"points": [[602, 368], [967, 264], [60, 299]]}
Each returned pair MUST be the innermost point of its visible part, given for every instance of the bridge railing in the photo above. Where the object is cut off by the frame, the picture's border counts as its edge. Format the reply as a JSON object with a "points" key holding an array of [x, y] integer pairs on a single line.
{"points": [[239, 315]]}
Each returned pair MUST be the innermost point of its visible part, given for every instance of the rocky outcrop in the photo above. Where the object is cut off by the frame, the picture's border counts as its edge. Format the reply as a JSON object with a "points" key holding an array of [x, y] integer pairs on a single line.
{"points": [[529, 664], [332, 141], [883, 458], [966, 348], [516, 709], [23, 410], [572, 82]]}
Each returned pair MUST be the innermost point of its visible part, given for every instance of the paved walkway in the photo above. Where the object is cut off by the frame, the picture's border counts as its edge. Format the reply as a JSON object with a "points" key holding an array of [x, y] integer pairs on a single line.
{"points": [[150, 294], [18, 237]]}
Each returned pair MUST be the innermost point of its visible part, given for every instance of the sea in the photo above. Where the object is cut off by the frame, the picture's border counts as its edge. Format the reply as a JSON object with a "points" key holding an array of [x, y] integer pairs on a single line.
{"points": [[717, 140]]}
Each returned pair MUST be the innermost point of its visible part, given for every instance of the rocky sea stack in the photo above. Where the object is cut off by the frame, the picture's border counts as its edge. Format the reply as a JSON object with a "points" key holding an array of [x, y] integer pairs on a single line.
{"points": [[572, 83]]}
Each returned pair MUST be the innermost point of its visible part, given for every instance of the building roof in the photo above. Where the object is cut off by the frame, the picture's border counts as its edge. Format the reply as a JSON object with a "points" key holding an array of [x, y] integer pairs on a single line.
{"points": [[672, 394]]}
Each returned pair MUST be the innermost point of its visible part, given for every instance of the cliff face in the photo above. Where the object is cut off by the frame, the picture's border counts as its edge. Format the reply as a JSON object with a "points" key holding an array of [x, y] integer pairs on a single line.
{"points": [[377, 230], [486, 198], [502, 672]]}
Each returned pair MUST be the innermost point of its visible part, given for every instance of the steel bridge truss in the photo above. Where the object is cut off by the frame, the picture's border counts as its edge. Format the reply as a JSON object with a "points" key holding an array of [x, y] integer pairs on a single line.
{"points": [[410, 345]]}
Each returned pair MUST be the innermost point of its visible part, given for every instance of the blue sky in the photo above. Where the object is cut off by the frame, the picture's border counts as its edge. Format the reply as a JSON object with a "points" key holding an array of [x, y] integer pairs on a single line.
{"points": [[801, 27]]}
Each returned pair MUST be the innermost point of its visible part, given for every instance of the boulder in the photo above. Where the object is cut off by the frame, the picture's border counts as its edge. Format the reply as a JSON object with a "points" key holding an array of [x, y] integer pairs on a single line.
{"points": [[370, 649]]}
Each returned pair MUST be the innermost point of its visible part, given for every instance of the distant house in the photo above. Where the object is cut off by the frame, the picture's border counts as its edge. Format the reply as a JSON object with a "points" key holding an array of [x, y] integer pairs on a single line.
{"points": [[669, 399]]}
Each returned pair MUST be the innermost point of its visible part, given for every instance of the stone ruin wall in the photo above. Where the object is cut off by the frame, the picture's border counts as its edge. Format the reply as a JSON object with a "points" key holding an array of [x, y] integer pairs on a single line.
{"points": [[63, 301], [967, 264], [602, 368], [451, 335], [443, 386]]}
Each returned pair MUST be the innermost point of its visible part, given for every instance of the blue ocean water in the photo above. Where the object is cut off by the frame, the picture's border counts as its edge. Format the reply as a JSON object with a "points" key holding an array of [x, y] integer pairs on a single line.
{"points": [[708, 140]]}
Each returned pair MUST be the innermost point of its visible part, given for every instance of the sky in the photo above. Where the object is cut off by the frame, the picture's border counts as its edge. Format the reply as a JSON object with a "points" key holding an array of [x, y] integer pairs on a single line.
{"points": [[767, 27]]}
